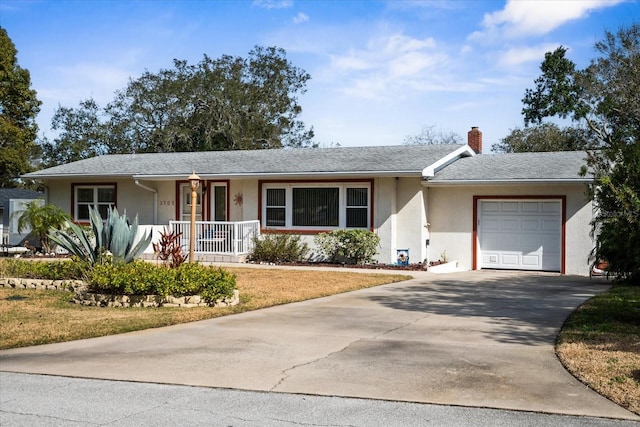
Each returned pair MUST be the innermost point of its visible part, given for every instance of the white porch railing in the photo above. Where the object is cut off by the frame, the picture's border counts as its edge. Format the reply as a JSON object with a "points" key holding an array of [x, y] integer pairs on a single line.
{"points": [[217, 237]]}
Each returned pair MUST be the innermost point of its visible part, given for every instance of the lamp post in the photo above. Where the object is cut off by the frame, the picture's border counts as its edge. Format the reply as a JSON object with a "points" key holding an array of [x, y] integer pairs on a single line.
{"points": [[194, 180]]}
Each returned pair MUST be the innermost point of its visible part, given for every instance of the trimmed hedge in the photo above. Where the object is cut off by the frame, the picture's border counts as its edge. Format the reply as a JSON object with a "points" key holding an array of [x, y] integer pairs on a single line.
{"points": [[136, 278], [143, 278], [50, 270]]}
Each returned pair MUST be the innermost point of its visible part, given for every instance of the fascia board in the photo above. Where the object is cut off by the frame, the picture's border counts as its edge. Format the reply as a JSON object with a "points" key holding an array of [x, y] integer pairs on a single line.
{"points": [[472, 182], [75, 175], [464, 151], [292, 175], [168, 177]]}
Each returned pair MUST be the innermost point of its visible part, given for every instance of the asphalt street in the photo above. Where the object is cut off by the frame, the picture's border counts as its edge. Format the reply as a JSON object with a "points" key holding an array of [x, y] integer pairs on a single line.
{"points": [[41, 400]]}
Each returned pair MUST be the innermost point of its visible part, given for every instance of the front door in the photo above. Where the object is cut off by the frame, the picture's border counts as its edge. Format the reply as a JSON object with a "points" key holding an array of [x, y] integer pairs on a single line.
{"points": [[218, 195]]}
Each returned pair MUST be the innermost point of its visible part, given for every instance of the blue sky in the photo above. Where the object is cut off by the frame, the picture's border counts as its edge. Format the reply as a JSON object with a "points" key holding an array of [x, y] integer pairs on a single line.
{"points": [[381, 70]]}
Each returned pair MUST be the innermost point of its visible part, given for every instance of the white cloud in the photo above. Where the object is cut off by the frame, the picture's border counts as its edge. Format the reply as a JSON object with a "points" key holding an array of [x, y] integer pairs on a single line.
{"points": [[521, 54], [85, 80], [387, 64], [300, 18], [536, 17], [273, 4]]}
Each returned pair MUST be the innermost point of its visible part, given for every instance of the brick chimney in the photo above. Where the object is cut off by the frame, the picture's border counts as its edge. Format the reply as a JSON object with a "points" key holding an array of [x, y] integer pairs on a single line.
{"points": [[474, 139]]}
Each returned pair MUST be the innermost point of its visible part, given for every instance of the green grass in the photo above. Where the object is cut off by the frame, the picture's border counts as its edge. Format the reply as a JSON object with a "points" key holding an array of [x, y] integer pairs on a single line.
{"points": [[616, 311], [600, 344]]}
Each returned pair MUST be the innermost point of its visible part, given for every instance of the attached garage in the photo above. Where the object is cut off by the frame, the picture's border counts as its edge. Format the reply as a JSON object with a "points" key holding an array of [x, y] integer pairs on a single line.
{"points": [[517, 211], [520, 234]]}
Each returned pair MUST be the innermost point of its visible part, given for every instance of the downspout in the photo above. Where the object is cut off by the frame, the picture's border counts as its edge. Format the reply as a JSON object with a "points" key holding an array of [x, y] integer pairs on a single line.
{"points": [[155, 200]]}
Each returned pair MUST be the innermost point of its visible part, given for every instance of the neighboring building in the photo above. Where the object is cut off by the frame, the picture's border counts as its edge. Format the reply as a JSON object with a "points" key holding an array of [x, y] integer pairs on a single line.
{"points": [[12, 202], [520, 211]]}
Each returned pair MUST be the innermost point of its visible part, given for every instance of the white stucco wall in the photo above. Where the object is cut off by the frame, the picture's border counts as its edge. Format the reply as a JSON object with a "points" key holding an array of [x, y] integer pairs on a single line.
{"points": [[400, 218], [450, 214], [411, 219], [249, 199], [384, 217]]}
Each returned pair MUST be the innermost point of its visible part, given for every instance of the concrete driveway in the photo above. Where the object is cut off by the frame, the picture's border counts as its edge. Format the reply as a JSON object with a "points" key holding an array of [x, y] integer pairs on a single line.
{"points": [[481, 339]]}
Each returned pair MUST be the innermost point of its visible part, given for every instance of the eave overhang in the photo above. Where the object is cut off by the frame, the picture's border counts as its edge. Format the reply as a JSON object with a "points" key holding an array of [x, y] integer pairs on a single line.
{"points": [[464, 151], [214, 176]]}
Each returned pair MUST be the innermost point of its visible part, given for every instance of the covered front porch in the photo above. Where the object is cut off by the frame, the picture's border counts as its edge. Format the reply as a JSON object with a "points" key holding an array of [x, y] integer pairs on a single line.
{"points": [[215, 241]]}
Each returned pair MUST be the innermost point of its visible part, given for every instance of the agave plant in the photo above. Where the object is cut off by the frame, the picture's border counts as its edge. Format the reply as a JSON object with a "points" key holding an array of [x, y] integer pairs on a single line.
{"points": [[114, 236]]}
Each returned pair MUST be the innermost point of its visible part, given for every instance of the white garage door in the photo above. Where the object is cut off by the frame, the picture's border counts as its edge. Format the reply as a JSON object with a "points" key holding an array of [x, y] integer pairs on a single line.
{"points": [[520, 234]]}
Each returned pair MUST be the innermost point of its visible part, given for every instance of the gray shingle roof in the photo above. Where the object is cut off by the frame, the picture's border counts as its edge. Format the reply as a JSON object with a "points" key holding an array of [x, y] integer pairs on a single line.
{"points": [[401, 159], [17, 193], [551, 166]]}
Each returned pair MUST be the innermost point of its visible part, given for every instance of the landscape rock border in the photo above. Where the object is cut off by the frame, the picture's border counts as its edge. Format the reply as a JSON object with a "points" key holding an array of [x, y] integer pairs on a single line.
{"points": [[84, 297]]}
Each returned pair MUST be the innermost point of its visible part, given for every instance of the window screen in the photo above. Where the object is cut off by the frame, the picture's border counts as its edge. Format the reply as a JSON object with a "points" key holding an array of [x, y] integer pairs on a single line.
{"points": [[316, 207]]}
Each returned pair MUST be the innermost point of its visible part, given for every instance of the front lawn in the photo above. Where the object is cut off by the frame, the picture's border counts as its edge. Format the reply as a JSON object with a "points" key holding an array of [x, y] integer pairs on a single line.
{"points": [[600, 345], [31, 317]]}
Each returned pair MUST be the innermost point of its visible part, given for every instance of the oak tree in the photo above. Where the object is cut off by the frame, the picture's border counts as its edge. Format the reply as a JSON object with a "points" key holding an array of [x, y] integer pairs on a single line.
{"points": [[19, 107], [604, 98], [543, 137], [229, 103]]}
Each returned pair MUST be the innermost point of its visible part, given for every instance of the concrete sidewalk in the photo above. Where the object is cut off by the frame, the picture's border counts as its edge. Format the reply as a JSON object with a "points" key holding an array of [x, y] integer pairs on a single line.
{"points": [[471, 339]]}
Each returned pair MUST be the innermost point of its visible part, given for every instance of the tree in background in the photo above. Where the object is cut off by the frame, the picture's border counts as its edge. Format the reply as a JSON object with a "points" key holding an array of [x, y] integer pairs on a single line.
{"points": [[605, 99], [18, 109], [543, 137], [229, 103], [81, 134], [431, 135]]}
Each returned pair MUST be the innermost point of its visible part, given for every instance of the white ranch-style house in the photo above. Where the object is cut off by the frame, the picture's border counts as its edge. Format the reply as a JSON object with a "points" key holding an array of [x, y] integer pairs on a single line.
{"points": [[524, 211]]}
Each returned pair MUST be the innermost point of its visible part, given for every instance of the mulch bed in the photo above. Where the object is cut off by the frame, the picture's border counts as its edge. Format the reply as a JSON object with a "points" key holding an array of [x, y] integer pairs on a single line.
{"points": [[410, 267]]}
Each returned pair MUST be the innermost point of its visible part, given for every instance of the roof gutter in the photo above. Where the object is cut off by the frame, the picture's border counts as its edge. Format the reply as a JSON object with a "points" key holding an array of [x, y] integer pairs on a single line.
{"points": [[155, 199], [428, 183], [287, 175]]}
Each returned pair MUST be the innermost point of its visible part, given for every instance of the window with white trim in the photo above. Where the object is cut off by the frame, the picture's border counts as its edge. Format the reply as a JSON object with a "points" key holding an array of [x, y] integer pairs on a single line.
{"points": [[316, 205], [100, 197]]}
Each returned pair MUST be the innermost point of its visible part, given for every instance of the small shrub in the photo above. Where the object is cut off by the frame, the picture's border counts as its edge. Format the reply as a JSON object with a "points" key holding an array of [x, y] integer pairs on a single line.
{"points": [[351, 246], [221, 284], [135, 278], [278, 248]]}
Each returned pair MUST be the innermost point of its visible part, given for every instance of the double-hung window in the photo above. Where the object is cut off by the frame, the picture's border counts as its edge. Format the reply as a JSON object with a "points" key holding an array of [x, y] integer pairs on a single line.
{"points": [[316, 205], [100, 197]]}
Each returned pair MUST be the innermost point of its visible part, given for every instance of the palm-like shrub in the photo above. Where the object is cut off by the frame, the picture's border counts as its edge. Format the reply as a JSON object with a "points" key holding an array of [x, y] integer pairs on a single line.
{"points": [[41, 218], [115, 237]]}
